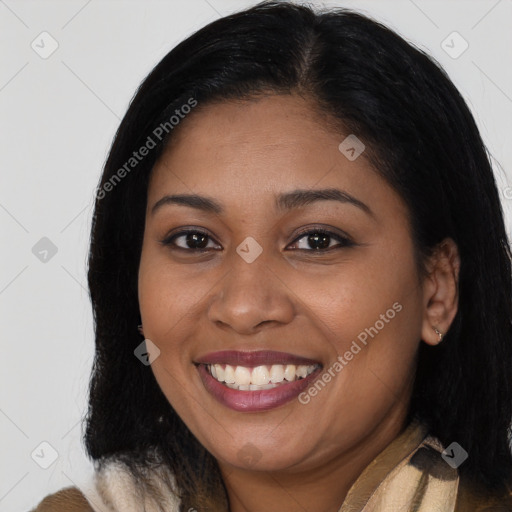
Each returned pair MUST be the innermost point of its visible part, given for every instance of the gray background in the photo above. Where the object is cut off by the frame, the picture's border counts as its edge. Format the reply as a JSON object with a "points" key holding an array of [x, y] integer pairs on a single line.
{"points": [[58, 116]]}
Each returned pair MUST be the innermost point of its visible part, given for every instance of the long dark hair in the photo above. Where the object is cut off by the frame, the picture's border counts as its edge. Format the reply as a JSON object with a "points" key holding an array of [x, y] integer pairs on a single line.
{"points": [[422, 139]]}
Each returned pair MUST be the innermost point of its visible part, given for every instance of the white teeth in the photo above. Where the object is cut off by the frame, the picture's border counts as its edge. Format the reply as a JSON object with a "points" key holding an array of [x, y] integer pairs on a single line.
{"points": [[255, 387], [277, 373], [219, 371], [289, 372], [229, 374], [242, 376], [260, 377], [301, 371]]}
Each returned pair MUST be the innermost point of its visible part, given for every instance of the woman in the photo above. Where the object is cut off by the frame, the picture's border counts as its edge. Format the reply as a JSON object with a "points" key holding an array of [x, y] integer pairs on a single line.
{"points": [[299, 214]]}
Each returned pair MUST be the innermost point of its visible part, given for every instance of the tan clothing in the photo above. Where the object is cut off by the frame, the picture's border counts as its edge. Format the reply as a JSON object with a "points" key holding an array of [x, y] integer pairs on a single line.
{"points": [[409, 475]]}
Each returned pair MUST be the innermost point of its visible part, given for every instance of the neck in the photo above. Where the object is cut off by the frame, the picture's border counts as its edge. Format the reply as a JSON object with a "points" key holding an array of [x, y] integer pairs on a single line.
{"points": [[318, 488]]}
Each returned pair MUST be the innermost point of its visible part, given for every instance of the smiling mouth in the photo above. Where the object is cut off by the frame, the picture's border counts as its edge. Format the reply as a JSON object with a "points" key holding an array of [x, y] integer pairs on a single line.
{"points": [[256, 381], [259, 378]]}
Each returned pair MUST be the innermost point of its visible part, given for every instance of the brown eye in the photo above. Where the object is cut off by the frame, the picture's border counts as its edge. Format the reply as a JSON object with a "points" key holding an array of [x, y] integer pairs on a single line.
{"points": [[315, 240], [319, 240], [190, 240]]}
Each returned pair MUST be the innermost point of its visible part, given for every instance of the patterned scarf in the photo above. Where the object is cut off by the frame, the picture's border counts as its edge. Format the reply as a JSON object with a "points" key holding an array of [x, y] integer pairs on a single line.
{"points": [[409, 475]]}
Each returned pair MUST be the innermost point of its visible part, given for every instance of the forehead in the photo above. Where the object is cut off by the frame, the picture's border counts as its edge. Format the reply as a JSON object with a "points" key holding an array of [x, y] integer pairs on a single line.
{"points": [[246, 151], [267, 126]]}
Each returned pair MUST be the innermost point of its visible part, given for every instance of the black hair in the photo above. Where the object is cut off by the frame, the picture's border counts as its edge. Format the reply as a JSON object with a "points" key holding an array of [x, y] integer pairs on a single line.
{"points": [[422, 139]]}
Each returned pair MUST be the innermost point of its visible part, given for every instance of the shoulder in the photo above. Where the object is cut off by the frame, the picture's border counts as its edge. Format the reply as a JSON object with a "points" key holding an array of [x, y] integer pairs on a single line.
{"points": [[69, 499]]}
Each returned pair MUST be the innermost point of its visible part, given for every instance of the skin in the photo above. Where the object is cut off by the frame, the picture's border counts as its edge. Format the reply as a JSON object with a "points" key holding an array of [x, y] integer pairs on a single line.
{"points": [[306, 302]]}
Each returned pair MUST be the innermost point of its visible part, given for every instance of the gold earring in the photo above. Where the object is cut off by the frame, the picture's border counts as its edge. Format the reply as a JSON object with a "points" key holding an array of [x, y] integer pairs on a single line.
{"points": [[439, 333]]}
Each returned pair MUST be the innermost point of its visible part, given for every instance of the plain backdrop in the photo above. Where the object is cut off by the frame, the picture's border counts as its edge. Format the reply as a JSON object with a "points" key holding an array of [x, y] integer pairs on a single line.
{"points": [[59, 112]]}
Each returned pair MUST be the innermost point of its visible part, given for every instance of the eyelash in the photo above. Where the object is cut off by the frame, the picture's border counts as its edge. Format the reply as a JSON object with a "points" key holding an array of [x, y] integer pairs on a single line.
{"points": [[344, 242]]}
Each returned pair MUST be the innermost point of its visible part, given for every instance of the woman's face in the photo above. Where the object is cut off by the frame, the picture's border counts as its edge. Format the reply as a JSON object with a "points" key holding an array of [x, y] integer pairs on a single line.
{"points": [[324, 325]]}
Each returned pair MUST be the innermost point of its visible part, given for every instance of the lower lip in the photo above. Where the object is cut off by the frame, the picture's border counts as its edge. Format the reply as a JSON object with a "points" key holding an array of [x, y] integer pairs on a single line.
{"points": [[254, 401]]}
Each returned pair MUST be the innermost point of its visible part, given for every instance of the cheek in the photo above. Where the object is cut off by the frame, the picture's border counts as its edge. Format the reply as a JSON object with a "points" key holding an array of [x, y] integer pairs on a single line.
{"points": [[166, 300], [373, 320], [371, 315], [354, 298], [167, 295]]}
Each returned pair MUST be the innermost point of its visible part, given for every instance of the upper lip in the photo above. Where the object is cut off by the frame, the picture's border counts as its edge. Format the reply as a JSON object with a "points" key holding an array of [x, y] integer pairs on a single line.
{"points": [[254, 358]]}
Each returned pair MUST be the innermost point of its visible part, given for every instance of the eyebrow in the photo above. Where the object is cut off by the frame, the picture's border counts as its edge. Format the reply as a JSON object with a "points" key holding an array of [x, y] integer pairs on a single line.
{"points": [[283, 202]]}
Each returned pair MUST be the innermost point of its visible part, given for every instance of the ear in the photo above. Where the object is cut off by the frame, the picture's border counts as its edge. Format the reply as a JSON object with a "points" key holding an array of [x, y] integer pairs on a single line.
{"points": [[440, 289]]}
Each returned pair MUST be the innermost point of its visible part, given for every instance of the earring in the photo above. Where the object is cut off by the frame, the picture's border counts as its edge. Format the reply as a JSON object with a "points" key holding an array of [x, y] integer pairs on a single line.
{"points": [[139, 328], [439, 333]]}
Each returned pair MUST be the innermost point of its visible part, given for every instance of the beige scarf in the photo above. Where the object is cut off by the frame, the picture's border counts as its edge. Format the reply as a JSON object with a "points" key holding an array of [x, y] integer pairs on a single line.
{"points": [[408, 476]]}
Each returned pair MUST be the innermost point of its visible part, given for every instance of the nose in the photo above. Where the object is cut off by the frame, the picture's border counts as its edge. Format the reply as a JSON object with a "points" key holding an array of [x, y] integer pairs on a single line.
{"points": [[249, 297]]}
